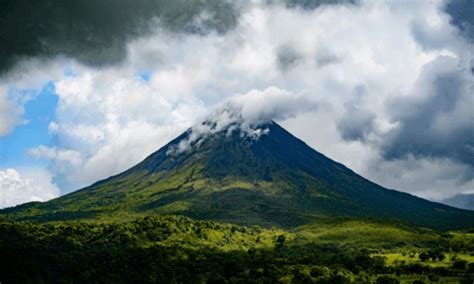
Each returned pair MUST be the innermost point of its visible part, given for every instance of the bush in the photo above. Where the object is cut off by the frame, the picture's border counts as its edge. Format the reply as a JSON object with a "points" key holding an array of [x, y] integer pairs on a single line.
{"points": [[470, 267], [424, 256], [459, 264], [386, 280], [339, 279]]}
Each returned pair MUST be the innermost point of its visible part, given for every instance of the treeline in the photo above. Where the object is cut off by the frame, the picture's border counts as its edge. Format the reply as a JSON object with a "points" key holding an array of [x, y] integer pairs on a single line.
{"points": [[174, 249]]}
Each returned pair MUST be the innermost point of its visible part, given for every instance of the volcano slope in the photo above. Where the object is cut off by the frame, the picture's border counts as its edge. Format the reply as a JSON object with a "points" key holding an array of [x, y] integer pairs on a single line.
{"points": [[260, 175]]}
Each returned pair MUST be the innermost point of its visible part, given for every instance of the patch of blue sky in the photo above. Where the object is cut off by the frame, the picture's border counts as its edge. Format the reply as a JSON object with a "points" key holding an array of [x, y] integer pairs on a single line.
{"points": [[145, 75], [40, 110], [69, 72]]}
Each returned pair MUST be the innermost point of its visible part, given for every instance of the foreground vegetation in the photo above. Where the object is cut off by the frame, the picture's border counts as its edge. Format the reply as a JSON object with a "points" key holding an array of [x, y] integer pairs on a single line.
{"points": [[179, 249]]}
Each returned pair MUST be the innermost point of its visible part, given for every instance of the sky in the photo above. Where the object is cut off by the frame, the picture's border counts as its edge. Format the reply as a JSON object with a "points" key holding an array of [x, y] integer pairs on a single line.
{"points": [[91, 89]]}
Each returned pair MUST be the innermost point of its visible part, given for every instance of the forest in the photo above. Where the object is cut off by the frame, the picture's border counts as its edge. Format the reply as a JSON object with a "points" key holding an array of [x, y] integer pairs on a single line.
{"points": [[176, 249]]}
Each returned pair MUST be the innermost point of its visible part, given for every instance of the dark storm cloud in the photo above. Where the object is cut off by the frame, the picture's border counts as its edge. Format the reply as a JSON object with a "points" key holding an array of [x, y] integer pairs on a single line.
{"points": [[96, 32], [462, 16], [312, 4], [288, 57], [325, 58], [357, 122], [438, 120]]}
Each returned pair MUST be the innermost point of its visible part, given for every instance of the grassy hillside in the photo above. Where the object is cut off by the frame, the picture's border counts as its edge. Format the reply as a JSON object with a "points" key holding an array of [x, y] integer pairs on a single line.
{"points": [[235, 209], [276, 180]]}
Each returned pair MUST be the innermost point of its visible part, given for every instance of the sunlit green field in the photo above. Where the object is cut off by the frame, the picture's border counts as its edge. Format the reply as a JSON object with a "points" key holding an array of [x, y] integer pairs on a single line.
{"points": [[162, 248], [397, 258]]}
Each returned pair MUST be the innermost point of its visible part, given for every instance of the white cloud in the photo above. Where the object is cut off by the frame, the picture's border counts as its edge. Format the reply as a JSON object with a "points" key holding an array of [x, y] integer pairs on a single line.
{"points": [[110, 119], [68, 156], [10, 113], [256, 107], [30, 185], [271, 103], [30, 75], [348, 58], [249, 112], [432, 178]]}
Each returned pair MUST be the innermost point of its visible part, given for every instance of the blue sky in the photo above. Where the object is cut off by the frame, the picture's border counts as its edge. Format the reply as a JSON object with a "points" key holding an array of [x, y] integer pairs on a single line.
{"points": [[380, 73], [39, 111]]}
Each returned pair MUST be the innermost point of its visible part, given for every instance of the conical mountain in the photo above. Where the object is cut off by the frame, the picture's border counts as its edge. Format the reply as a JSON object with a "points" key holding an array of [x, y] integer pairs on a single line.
{"points": [[247, 175]]}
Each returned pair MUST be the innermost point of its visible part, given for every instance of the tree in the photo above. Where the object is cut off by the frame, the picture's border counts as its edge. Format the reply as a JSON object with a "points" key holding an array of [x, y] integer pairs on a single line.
{"points": [[470, 267], [280, 240], [459, 264], [436, 255], [339, 279], [385, 279], [441, 256], [424, 256]]}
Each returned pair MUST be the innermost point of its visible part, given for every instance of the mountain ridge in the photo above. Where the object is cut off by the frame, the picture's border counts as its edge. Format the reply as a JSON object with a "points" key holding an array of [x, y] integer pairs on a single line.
{"points": [[230, 174]]}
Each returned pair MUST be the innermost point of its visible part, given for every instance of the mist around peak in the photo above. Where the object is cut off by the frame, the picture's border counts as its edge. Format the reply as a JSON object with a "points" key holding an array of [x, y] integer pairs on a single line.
{"points": [[249, 114]]}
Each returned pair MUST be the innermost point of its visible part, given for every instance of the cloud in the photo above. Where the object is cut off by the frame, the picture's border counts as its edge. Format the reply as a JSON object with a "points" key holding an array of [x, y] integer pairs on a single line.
{"points": [[287, 57], [437, 121], [23, 84], [433, 121], [324, 58], [12, 101], [311, 4], [65, 161], [96, 33], [30, 185], [461, 16], [249, 112], [370, 67], [445, 177], [358, 121], [10, 113], [271, 103], [357, 124], [109, 119]]}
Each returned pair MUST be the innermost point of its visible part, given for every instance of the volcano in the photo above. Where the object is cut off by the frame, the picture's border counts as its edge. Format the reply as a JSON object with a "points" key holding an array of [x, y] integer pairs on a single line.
{"points": [[252, 175]]}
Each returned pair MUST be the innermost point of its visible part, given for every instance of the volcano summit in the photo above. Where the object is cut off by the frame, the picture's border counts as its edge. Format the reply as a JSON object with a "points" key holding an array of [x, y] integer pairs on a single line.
{"points": [[245, 174]]}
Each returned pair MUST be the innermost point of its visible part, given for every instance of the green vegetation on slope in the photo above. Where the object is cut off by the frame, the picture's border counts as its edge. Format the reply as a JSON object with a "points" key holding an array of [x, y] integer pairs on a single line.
{"points": [[179, 249], [276, 180], [320, 222]]}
